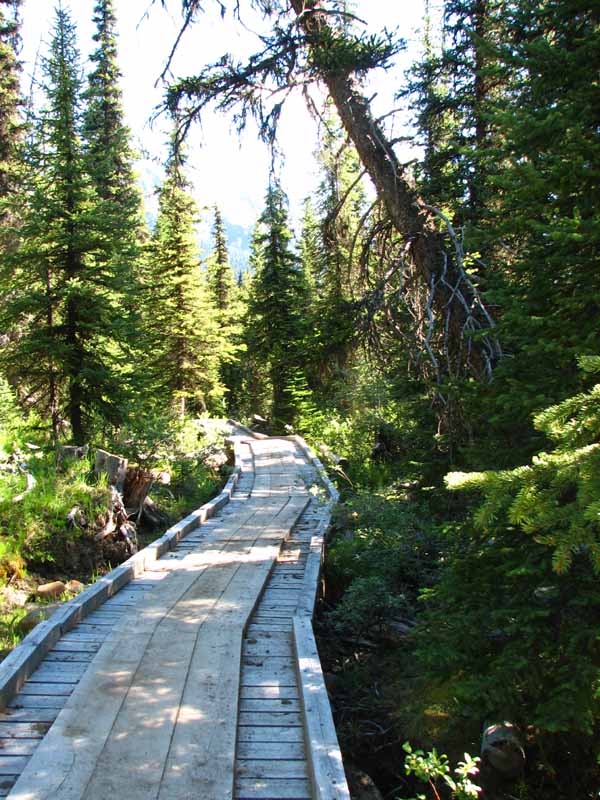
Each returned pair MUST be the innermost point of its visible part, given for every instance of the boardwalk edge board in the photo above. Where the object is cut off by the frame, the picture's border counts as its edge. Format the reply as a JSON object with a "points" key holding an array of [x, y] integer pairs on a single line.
{"points": [[28, 655], [324, 756], [326, 768]]}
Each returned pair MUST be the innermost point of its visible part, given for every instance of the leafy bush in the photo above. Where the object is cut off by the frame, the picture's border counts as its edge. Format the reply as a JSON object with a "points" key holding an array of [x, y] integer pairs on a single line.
{"points": [[383, 536], [366, 607], [511, 628]]}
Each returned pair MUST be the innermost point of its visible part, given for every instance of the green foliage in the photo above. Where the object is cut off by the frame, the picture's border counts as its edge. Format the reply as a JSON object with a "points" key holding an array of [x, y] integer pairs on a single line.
{"points": [[277, 327], [35, 530], [366, 608], [433, 769], [383, 538], [556, 498], [182, 342]]}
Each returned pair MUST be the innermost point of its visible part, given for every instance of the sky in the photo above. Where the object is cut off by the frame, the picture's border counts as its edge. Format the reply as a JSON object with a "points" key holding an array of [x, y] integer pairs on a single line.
{"points": [[226, 169]]}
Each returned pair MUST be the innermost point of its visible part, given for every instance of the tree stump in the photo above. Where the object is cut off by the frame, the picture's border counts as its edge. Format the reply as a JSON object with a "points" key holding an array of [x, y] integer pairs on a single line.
{"points": [[68, 452], [114, 467]]}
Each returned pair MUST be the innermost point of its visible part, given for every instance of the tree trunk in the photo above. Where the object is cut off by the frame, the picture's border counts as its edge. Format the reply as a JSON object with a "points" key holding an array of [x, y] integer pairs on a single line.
{"points": [[454, 299], [114, 467]]}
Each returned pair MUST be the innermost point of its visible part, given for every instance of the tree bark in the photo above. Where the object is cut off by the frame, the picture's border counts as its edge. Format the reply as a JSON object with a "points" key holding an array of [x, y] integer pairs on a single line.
{"points": [[431, 251]]}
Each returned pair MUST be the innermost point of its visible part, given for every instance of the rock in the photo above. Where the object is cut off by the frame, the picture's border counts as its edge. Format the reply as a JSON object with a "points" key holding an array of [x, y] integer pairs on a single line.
{"points": [[37, 615], [501, 749], [50, 590], [75, 586]]}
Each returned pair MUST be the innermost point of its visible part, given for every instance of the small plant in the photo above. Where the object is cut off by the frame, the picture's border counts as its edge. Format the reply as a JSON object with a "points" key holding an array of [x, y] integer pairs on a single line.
{"points": [[434, 770]]}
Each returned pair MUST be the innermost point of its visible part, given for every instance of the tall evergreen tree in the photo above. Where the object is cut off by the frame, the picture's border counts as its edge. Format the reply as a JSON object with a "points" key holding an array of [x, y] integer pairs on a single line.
{"points": [[218, 269], [229, 304], [340, 207], [109, 161], [59, 301], [184, 341], [10, 124], [278, 302]]}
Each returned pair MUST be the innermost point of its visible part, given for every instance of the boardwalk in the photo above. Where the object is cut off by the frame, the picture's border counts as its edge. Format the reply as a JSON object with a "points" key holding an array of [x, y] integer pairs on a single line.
{"points": [[199, 677]]}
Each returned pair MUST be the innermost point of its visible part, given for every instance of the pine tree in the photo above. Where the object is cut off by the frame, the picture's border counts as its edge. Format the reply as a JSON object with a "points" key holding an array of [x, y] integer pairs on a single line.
{"points": [[279, 298], [184, 341], [340, 206], [10, 125], [109, 161], [229, 305], [218, 269], [59, 301]]}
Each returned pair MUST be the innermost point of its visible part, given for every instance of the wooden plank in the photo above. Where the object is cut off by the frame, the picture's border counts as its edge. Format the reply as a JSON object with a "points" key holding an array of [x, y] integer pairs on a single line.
{"points": [[269, 704], [271, 751], [254, 648], [12, 765], [6, 784], [37, 701], [58, 668], [29, 715], [272, 789], [324, 757], [64, 657], [281, 718], [77, 646], [273, 692], [270, 734], [23, 730], [18, 747], [58, 689], [256, 768]]}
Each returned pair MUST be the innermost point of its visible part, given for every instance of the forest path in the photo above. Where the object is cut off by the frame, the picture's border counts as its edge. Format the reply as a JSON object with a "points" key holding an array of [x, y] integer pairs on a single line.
{"points": [[187, 682]]}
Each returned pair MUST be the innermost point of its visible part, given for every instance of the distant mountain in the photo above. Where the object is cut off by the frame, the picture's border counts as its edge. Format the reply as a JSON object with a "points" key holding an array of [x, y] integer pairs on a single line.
{"points": [[238, 242]]}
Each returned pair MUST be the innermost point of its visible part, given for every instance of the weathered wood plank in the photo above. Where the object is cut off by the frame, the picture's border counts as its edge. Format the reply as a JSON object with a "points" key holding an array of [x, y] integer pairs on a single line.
{"points": [[58, 689], [23, 730], [270, 734], [37, 701], [272, 789], [269, 704], [18, 747], [29, 715], [273, 692], [256, 768], [12, 765], [6, 784], [275, 719]]}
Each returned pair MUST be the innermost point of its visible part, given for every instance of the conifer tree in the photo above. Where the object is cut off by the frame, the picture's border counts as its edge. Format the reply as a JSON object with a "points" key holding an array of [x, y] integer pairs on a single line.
{"points": [[59, 301], [218, 269], [10, 124], [340, 206], [279, 298], [184, 341], [109, 162], [229, 305]]}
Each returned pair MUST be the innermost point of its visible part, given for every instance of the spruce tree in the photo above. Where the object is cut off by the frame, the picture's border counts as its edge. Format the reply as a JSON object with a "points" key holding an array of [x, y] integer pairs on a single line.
{"points": [[229, 305], [218, 269], [279, 298], [340, 207], [184, 342], [10, 125], [109, 161], [59, 302]]}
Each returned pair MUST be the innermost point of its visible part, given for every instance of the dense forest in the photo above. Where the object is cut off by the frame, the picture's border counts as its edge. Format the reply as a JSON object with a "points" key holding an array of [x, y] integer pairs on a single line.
{"points": [[432, 330]]}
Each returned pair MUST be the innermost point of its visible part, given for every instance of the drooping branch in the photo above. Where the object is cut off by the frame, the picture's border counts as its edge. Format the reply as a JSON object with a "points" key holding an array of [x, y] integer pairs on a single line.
{"points": [[449, 318]]}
